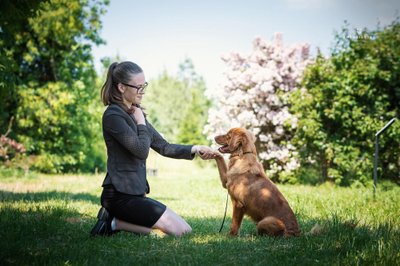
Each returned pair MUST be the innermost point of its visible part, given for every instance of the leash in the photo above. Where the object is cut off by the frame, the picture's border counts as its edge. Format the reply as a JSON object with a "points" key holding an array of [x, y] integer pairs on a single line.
{"points": [[226, 204], [226, 207]]}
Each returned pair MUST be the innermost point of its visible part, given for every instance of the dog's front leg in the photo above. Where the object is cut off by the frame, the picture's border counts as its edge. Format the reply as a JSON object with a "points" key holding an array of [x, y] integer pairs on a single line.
{"points": [[237, 217], [222, 169]]}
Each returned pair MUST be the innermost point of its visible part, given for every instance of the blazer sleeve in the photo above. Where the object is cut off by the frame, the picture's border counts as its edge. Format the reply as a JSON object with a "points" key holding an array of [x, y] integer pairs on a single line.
{"points": [[163, 147], [137, 143]]}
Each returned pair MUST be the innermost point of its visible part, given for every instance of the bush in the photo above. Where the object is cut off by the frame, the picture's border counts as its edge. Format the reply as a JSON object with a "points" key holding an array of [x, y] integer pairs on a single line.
{"points": [[347, 99]]}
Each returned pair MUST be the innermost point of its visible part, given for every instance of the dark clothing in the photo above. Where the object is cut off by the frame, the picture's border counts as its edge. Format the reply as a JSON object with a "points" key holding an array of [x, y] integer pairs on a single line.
{"points": [[138, 210], [128, 146], [125, 185]]}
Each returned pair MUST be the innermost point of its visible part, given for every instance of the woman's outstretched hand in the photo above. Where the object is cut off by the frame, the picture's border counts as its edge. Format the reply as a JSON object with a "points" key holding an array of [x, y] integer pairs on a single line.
{"points": [[205, 152]]}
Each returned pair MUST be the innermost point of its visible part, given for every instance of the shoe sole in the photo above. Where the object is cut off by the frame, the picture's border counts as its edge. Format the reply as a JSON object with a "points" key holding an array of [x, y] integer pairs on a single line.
{"points": [[103, 214], [98, 229]]}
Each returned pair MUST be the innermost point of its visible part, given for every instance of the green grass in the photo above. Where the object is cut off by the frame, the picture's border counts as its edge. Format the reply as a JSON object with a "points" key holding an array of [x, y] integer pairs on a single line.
{"points": [[45, 220]]}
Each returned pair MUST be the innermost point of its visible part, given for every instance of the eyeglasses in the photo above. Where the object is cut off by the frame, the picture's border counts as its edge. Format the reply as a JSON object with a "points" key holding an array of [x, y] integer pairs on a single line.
{"points": [[139, 89]]}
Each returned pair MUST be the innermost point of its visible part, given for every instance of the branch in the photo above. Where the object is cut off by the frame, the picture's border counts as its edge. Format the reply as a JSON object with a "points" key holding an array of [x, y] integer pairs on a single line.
{"points": [[9, 126]]}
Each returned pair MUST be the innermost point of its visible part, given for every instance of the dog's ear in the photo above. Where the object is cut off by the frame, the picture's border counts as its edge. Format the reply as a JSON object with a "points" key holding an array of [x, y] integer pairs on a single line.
{"points": [[251, 136], [251, 139], [236, 140]]}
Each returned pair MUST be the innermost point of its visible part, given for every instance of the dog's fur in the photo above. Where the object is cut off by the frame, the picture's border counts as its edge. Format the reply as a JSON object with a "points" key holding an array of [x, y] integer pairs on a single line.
{"points": [[251, 191]]}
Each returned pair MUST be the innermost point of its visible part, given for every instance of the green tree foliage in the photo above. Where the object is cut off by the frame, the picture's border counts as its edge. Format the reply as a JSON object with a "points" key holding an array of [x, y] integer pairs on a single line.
{"points": [[347, 99], [194, 119], [57, 109], [196, 110], [14, 15], [163, 102], [177, 106]]}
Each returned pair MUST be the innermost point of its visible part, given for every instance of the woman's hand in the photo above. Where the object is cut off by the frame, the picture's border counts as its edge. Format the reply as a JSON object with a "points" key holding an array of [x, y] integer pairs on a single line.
{"points": [[205, 153], [139, 116]]}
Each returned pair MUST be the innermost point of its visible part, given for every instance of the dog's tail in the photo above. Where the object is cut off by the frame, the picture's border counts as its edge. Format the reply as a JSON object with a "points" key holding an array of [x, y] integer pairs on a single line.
{"points": [[271, 226]]}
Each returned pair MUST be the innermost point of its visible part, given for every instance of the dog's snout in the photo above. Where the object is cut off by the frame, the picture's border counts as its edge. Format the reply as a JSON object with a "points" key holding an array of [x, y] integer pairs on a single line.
{"points": [[219, 139]]}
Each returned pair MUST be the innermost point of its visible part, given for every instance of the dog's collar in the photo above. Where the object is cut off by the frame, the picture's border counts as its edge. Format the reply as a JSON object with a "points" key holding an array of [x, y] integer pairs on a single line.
{"points": [[243, 153]]}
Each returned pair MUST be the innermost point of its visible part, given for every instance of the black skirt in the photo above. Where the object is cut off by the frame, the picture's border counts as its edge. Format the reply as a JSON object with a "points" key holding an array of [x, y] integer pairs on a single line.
{"points": [[138, 210]]}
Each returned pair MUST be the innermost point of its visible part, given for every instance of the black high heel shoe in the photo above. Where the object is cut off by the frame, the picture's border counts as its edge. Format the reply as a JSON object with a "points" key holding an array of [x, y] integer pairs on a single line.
{"points": [[103, 225]]}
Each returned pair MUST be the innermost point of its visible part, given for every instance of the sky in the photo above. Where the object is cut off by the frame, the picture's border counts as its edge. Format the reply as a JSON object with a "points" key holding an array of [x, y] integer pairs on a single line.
{"points": [[159, 35]]}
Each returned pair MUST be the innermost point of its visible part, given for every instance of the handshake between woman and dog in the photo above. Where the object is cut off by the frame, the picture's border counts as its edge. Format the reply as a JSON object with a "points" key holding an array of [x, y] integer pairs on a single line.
{"points": [[251, 191]]}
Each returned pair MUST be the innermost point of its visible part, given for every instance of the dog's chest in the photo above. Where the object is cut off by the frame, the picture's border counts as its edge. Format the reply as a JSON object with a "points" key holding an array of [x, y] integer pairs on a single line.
{"points": [[238, 190]]}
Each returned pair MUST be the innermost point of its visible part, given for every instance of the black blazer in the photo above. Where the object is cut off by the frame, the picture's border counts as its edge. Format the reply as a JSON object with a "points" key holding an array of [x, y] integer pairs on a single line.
{"points": [[128, 146]]}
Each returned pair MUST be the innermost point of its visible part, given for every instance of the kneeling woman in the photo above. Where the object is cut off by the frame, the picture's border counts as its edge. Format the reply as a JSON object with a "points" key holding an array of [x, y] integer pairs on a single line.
{"points": [[129, 137]]}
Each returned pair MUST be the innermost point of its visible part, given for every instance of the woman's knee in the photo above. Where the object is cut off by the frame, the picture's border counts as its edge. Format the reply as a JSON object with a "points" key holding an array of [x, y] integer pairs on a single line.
{"points": [[179, 230], [172, 224], [183, 229]]}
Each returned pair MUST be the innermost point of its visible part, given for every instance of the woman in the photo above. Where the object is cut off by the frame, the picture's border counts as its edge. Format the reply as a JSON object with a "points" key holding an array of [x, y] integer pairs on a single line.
{"points": [[129, 137]]}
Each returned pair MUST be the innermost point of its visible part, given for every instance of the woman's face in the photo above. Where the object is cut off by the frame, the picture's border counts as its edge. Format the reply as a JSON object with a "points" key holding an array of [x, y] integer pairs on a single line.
{"points": [[133, 90]]}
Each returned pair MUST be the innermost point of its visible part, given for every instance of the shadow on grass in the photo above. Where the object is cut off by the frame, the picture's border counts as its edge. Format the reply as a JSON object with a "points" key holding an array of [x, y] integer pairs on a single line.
{"points": [[337, 242], [9, 196], [47, 234], [37, 234], [55, 236]]}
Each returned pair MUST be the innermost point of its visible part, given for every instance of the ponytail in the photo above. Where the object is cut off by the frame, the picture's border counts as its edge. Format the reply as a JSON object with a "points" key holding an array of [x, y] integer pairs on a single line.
{"points": [[117, 73], [107, 89]]}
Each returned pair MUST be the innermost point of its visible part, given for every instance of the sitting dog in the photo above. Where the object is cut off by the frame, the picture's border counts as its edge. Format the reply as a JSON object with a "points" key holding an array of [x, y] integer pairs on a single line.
{"points": [[251, 191]]}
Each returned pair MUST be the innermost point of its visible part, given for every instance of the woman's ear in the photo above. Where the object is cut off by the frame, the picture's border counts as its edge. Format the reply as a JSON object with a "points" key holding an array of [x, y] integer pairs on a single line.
{"points": [[121, 88]]}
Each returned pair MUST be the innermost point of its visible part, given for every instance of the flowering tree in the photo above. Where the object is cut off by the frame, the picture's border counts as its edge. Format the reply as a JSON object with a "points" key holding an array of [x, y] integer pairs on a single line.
{"points": [[9, 148], [254, 95]]}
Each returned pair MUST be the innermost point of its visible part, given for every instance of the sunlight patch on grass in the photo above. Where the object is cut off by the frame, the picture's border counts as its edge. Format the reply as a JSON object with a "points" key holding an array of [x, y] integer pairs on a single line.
{"points": [[48, 219]]}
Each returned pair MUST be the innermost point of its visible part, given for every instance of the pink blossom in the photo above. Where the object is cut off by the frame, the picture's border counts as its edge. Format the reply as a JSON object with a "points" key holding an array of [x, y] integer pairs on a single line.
{"points": [[254, 95], [9, 147]]}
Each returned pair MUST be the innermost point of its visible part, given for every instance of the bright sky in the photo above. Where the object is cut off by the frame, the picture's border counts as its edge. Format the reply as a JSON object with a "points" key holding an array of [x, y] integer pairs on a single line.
{"points": [[158, 35]]}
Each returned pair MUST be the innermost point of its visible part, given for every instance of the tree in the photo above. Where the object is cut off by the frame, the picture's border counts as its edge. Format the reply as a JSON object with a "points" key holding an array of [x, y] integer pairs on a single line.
{"points": [[255, 95], [164, 101], [177, 107], [195, 113], [14, 17], [347, 99], [56, 115]]}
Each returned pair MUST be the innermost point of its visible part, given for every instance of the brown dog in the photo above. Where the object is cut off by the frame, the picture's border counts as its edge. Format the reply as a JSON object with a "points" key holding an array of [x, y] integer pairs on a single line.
{"points": [[251, 192]]}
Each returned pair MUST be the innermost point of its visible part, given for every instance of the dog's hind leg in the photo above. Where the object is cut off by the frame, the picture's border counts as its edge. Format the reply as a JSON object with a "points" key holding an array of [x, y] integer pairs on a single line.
{"points": [[271, 226], [222, 169]]}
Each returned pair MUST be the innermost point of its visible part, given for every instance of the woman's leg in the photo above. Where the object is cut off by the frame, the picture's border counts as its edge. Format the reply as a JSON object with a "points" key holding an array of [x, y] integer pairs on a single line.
{"points": [[169, 223], [141, 214], [125, 226], [172, 224]]}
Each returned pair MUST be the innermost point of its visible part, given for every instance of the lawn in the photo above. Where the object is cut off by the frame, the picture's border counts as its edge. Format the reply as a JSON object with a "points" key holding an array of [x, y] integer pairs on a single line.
{"points": [[45, 220]]}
